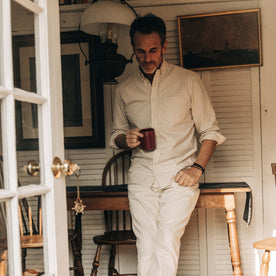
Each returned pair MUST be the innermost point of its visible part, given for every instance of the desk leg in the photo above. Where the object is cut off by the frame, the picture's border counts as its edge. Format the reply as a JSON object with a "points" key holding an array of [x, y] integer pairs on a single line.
{"points": [[76, 243], [233, 240], [265, 263]]}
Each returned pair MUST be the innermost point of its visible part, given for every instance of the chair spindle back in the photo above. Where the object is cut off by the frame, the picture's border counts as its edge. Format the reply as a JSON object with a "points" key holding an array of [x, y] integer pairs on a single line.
{"points": [[115, 173]]}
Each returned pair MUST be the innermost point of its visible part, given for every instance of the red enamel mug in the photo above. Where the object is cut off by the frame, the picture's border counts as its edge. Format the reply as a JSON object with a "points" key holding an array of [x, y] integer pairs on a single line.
{"points": [[148, 141]]}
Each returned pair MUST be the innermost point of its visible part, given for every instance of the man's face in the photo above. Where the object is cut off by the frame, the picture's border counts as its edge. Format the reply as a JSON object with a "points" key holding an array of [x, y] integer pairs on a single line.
{"points": [[149, 51]]}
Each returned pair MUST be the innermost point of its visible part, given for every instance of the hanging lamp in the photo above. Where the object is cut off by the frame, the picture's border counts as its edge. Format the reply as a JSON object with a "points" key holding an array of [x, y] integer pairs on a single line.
{"points": [[103, 18]]}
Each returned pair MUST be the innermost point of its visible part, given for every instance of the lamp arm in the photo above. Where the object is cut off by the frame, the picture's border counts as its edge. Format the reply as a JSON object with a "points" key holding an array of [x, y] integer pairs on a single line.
{"points": [[85, 56], [130, 60], [125, 3]]}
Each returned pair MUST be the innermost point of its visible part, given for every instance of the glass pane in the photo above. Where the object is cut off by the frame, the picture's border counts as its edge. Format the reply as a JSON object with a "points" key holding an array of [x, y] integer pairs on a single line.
{"points": [[23, 48], [24, 63], [27, 143], [30, 226]]}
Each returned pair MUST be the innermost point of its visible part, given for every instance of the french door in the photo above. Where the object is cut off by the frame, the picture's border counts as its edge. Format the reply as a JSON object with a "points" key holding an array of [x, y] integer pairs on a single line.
{"points": [[31, 113]]}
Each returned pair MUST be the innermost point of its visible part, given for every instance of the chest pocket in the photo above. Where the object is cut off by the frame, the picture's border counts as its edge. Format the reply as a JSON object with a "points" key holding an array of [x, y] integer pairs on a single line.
{"points": [[175, 109]]}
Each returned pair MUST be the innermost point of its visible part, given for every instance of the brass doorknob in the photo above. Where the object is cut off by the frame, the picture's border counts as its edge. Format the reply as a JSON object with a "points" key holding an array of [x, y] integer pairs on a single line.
{"points": [[33, 167], [66, 168]]}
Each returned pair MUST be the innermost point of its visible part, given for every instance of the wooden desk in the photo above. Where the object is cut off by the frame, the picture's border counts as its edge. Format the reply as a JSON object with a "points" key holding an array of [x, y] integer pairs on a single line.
{"points": [[212, 195]]}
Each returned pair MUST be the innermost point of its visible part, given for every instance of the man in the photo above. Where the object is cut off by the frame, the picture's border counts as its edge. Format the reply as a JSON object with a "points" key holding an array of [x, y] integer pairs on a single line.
{"points": [[163, 183]]}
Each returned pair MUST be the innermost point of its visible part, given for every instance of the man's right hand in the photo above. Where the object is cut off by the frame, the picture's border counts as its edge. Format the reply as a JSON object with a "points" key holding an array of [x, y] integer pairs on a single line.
{"points": [[132, 137], [129, 140]]}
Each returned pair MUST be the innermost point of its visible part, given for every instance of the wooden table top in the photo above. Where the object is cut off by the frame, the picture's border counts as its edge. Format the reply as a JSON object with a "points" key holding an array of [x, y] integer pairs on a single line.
{"points": [[121, 190]]}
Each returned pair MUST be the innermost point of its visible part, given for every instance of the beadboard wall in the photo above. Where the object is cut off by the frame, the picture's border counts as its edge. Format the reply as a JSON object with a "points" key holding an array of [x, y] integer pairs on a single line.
{"points": [[235, 96]]}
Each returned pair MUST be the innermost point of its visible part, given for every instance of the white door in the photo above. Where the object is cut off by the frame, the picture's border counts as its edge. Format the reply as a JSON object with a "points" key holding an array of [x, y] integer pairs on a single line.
{"points": [[44, 124]]}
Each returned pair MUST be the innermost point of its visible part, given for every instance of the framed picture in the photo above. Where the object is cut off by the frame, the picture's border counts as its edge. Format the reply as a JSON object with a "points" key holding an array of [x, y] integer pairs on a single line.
{"points": [[83, 108], [220, 40]]}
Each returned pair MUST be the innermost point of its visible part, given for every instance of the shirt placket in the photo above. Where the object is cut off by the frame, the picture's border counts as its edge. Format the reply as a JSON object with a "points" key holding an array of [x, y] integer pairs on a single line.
{"points": [[154, 120]]}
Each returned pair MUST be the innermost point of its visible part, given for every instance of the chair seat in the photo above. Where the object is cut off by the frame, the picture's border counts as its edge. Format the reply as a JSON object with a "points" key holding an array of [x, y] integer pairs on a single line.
{"points": [[266, 244], [116, 238], [34, 241], [3, 263]]}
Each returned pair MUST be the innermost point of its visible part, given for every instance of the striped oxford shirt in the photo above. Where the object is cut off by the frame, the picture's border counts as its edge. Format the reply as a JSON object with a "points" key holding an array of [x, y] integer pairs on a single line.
{"points": [[177, 106]]}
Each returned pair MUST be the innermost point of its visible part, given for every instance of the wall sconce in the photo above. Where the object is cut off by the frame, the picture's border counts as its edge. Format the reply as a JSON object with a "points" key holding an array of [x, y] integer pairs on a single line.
{"points": [[103, 19]]}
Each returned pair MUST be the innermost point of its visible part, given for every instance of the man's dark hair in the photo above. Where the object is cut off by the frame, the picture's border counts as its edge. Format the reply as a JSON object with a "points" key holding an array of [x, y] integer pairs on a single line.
{"points": [[148, 24]]}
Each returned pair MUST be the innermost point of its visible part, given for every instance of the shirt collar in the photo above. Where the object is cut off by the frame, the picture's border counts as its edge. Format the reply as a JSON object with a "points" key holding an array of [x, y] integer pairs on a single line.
{"points": [[163, 69]]}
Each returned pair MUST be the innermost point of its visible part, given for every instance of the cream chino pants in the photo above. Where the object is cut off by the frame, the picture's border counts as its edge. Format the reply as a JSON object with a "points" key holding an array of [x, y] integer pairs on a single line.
{"points": [[159, 218]]}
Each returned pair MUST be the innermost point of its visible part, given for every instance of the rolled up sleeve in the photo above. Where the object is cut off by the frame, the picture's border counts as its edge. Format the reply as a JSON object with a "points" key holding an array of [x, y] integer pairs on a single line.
{"points": [[120, 123], [203, 113]]}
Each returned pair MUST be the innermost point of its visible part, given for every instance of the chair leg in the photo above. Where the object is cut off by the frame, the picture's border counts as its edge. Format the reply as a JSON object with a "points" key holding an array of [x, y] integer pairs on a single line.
{"points": [[265, 263], [23, 257], [111, 263], [96, 261]]}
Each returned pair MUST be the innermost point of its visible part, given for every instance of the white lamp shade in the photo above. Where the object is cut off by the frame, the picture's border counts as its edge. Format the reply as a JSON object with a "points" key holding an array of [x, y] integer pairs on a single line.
{"points": [[105, 12]]}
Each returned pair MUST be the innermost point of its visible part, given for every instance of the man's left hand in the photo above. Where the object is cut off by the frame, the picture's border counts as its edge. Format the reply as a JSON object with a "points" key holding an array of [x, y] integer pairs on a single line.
{"points": [[188, 177]]}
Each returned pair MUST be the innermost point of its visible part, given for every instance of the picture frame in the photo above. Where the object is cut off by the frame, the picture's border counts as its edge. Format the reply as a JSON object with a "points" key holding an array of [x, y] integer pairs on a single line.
{"points": [[83, 105], [220, 40]]}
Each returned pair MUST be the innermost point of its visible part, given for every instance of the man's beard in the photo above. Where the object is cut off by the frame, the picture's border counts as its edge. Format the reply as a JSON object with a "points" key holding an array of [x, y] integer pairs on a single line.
{"points": [[149, 67]]}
